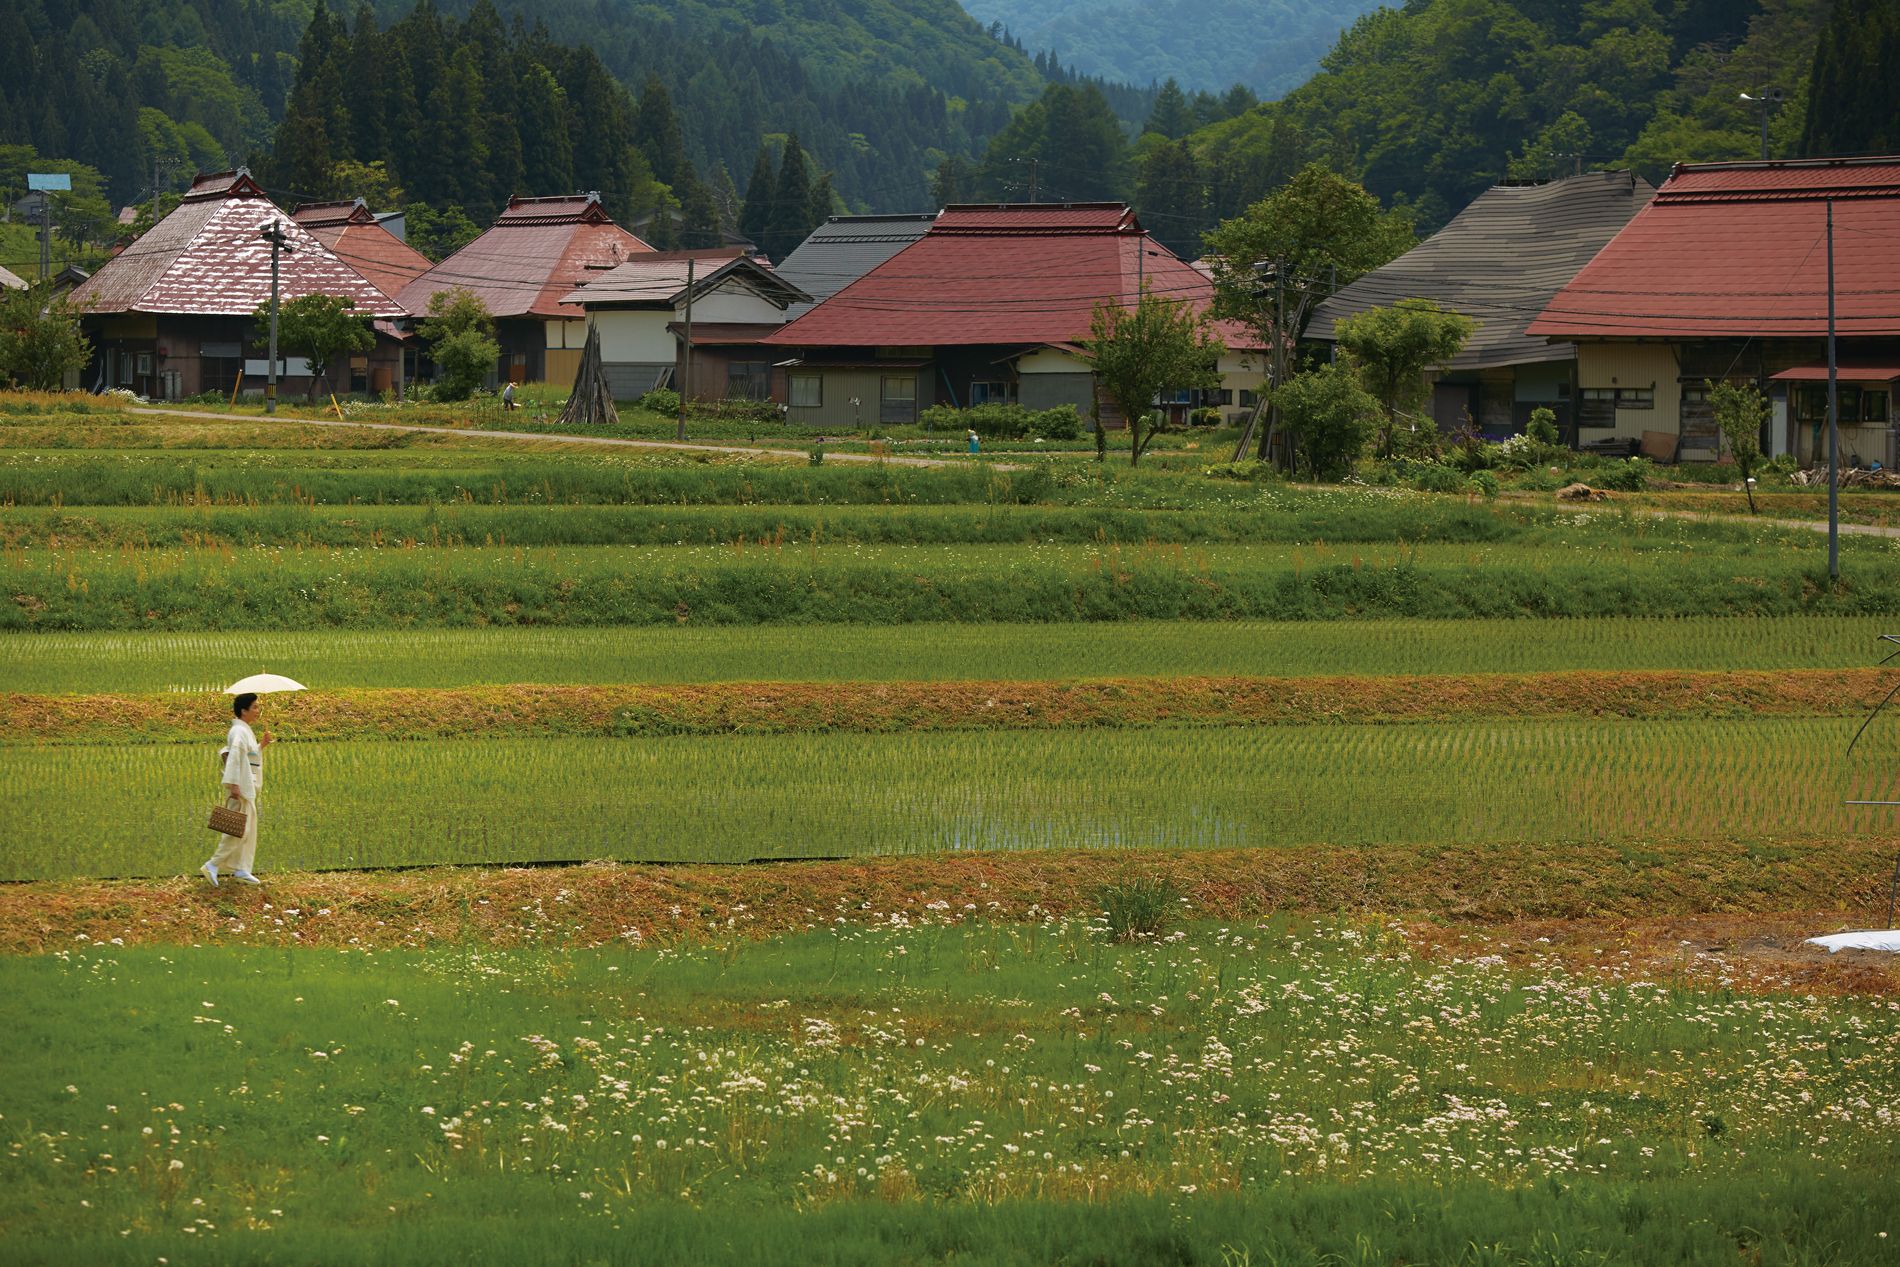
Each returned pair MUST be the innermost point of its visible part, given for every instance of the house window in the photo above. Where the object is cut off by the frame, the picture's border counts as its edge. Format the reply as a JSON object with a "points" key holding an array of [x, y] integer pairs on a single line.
{"points": [[1636, 398], [1248, 399], [808, 391], [748, 380], [1873, 405], [992, 393], [898, 399], [1599, 407]]}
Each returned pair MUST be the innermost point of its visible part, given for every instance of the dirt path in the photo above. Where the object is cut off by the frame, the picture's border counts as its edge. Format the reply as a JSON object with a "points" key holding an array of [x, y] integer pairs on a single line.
{"points": [[565, 438], [1708, 913], [1812, 525]]}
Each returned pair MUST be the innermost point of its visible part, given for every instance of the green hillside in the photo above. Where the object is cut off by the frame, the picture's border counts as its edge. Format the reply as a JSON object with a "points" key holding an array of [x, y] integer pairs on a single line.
{"points": [[879, 91], [1271, 46], [1430, 104]]}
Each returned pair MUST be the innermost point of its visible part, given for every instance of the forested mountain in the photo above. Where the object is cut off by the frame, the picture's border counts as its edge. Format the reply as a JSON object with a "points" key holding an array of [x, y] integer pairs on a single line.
{"points": [[1430, 103], [1270, 46], [880, 91], [767, 114]]}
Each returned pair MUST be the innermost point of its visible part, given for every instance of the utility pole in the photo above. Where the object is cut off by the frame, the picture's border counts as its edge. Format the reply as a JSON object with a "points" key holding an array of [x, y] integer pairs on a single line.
{"points": [[45, 184], [273, 233], [1035, 177], [686, 382], [1833, 420], [160, 169]]}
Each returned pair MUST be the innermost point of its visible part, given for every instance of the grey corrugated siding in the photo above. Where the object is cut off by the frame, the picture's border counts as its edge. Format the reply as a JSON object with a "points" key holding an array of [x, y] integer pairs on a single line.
{"points": [[1047, 391], [630, 380], [1500, 261]]}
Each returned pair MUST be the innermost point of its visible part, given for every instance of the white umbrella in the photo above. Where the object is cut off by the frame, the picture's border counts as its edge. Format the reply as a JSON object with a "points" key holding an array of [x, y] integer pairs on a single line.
{"points": [[263, 684]]}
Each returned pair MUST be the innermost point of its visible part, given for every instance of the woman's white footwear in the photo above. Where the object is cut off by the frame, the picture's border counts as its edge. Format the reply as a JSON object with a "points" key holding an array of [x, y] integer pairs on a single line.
{"points": [[210, 873]]}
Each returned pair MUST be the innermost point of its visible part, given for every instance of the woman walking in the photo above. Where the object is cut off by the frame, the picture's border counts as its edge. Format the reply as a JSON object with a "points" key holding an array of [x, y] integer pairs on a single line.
{"points": [[243, 779]]}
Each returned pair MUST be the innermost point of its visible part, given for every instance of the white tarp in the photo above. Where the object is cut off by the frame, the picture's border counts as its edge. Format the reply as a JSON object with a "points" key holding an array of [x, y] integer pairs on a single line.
{"points": [[1887, 939]]}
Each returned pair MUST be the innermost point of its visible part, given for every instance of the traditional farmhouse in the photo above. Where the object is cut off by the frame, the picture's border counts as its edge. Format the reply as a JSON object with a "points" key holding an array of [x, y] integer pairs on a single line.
{"points": [[989, 305], [845, 248], [640, 310], [363, 240], [1499, 261], [172, 314], [538, 251], [1724, 276]]}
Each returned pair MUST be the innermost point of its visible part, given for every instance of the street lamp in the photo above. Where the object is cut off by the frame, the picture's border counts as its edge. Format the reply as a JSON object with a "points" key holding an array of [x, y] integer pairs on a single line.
{"points": [[1767, 101]]}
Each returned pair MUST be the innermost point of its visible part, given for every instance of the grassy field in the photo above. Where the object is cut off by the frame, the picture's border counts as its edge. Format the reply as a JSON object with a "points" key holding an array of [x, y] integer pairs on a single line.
{"points": [[731, 798], [1311, 740], [952, 1088]]}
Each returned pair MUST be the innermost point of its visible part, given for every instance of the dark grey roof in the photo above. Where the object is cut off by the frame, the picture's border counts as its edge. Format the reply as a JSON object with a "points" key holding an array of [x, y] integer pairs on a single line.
{"points": [[845, 248], [1499, 261]]}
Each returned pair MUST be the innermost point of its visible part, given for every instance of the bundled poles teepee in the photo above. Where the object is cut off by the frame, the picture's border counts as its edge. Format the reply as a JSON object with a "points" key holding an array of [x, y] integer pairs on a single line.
{"points": [[592, 401]]}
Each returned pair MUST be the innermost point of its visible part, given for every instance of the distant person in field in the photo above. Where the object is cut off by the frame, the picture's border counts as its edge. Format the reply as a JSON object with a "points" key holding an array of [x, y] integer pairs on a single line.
{"points": [[243, 774], [976, 442], [508, 396]]}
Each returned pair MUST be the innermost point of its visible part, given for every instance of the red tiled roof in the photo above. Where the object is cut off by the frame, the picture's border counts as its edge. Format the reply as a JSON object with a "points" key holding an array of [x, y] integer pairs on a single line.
{"points": [[1065, 217], [1029, 273], [537, 251], [1817, 373], [361, 241], [1737, 249], [207, 259]]}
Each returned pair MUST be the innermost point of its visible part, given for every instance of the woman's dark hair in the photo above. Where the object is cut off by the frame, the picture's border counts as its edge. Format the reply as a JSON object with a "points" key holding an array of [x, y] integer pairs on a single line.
{"points": [[242, 702]]}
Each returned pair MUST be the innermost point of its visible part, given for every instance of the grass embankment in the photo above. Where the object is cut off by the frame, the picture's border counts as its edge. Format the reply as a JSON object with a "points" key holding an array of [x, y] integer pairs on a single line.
{"points": [[220, 588], [331, 659], [1614, 893], [1016, 1093], [461, 524], [631, 711], [139, 808]]}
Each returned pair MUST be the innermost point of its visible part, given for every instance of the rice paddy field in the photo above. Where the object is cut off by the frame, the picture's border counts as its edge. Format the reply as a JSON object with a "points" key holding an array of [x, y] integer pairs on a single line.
{"points": [[696, 856]]}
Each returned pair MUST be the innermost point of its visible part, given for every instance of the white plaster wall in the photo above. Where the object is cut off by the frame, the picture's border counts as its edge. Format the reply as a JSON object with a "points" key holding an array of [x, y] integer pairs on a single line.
{"points": [[636, 334]]}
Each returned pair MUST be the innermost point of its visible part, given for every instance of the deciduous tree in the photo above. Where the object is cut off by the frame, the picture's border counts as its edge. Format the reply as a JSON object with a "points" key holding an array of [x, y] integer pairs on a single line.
{"points": [[460, 332], [320, 328], [1741, 412], [40, 338], [1138, 352], [1391, 348]]}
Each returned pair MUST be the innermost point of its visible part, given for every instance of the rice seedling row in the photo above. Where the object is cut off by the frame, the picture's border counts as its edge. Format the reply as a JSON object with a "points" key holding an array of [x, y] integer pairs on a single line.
{"points": [[1319, 1090], [325, 659], [138, 809]]}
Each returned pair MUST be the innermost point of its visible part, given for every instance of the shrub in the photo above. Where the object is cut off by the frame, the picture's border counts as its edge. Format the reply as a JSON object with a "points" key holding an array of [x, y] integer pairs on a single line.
{"points": [[1542, 427], [1006, 422], [1330, 417], [1245, 469], [1485, 483], [1628, 476], [661, 400], [1137, 909], [1436, 477]]}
